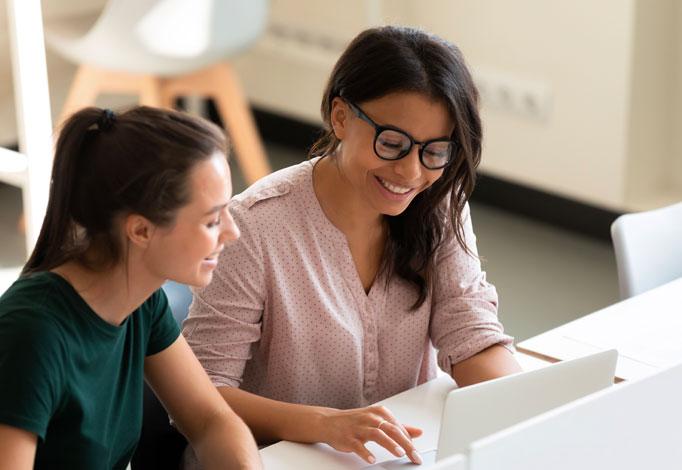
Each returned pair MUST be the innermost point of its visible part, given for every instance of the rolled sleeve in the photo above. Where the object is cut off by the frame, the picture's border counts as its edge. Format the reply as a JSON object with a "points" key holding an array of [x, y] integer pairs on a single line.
{"points": [[464, 311], [225, 317]]}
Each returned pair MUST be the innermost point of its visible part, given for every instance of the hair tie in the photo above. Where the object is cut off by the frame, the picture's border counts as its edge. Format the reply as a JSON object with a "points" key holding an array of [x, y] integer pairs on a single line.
{"points": [[106, 120]]}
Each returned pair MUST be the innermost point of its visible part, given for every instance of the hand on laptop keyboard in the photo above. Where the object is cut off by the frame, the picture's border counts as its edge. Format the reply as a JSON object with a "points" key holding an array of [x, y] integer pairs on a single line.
{"points": [[350, 430]]}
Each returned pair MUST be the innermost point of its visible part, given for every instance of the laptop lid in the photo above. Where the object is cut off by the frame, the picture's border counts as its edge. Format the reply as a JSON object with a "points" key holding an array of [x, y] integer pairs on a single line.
{"points": [[482, 409], [631, 426]]}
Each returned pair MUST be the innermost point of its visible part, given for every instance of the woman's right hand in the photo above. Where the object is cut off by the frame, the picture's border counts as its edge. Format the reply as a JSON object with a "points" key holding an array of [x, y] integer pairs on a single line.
{"points": [[349, 430]]}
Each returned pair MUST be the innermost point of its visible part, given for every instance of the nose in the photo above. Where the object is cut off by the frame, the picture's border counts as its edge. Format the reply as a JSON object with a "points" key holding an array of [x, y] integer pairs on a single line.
{"points": [[230, 231], [409, 167]]}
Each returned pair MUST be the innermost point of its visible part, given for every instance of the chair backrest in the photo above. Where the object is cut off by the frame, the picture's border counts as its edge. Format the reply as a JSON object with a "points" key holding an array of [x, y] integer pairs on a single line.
{"points": [[648, 247], [179, 299], [163, 37], [161, 445]]}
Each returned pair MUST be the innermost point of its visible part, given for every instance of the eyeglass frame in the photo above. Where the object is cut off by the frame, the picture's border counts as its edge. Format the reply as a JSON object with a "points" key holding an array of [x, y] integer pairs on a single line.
{"points": [[378, 129]]}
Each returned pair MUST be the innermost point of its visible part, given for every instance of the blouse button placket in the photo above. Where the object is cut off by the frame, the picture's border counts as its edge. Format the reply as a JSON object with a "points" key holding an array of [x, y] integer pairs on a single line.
{"points": [[371, 352]]}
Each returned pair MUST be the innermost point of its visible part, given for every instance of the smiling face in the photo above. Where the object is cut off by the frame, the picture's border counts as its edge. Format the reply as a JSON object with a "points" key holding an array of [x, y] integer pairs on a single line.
{"points": [[187, 251], [388, 187]]}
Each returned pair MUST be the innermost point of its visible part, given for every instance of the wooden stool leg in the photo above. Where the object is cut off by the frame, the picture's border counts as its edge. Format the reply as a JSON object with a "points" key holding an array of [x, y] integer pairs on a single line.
{"points": [[239, 122], [167, 95], [83, 91], [91, 81], [150, 91]]}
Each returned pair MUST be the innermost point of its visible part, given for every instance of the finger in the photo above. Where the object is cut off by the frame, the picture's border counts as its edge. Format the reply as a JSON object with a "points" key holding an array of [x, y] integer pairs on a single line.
{"points": [[397, 435], [388, 416], [362, 451], [381, 438], [413, 431]]}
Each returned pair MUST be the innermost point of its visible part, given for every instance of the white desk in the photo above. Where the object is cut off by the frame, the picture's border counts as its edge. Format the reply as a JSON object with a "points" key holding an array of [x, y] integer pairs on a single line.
{"points": [[421, 406], [645, 330]]}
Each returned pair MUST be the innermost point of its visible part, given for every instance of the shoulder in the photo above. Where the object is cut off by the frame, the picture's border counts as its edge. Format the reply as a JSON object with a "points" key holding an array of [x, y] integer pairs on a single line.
{"points": [[31, 304], [275, 202], [30, 321], [276, 188], [31, 289]]}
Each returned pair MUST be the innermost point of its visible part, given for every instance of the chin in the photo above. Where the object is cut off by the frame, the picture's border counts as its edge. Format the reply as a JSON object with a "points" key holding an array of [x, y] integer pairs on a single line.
{"points": [[203, 280], [393, 211], [199, 279]]}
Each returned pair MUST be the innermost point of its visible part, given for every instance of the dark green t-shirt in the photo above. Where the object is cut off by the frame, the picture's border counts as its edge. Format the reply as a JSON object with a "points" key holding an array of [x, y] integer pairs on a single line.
{"points": [[70, 377]]}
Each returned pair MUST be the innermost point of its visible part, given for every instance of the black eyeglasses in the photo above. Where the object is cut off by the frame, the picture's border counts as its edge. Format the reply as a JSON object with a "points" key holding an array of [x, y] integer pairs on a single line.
{"points": [[391, 143]]}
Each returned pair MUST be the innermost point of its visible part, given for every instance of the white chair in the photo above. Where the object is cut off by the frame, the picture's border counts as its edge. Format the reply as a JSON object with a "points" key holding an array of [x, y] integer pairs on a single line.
{"points": [[648, 248], [163, 49]]}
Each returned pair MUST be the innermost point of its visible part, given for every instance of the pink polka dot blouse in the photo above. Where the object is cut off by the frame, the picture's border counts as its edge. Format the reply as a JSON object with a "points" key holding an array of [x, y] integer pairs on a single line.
{"points": [[286, 316]]}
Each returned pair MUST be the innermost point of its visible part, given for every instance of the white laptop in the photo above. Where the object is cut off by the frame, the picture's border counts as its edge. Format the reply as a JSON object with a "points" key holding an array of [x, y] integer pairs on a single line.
{"points": [[479, 410], [633, 426]]}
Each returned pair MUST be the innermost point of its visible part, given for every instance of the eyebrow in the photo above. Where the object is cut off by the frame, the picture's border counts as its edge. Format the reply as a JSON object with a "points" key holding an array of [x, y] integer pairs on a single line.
{"points": [[215, 209]]}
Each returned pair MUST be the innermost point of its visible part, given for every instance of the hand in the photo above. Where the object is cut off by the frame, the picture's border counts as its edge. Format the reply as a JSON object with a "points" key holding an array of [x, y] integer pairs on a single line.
{"points": [[349, 430]]}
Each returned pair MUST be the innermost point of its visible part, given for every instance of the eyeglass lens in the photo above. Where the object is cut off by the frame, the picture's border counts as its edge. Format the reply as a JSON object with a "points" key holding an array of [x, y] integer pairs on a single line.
{"points": [[392, 145]]}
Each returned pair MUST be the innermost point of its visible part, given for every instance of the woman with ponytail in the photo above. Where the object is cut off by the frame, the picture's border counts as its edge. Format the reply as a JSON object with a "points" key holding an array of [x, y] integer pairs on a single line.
{"points": [[135, 199]]}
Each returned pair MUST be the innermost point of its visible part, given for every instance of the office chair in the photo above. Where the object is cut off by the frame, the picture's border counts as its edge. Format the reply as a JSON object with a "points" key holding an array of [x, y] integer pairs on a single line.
{"points": [[164, 49], [161, 445], [648, 247]]}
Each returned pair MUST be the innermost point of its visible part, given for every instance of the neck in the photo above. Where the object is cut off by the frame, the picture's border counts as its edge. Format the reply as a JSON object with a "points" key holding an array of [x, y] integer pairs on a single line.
{"points": [[113, 294], [340, 203]]}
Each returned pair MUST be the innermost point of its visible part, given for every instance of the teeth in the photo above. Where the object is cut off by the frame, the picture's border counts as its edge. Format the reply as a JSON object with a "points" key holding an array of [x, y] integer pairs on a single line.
{"points": [[393, 188]]}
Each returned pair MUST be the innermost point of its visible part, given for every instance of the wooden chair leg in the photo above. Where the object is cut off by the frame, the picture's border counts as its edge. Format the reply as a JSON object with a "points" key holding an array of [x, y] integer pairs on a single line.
{"points": [[218, 81], [83, 91], [241, 126], [90, 82], [221, 83], [167, 96], [150, 91]]}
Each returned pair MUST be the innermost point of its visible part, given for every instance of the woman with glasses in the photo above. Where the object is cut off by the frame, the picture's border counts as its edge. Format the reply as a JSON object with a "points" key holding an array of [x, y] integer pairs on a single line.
{"points": [[353, 266]]}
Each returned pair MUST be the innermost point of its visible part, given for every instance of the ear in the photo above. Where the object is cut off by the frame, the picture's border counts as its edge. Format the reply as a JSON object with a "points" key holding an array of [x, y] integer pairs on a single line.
{"points": [[339, 117], [139, 230]]}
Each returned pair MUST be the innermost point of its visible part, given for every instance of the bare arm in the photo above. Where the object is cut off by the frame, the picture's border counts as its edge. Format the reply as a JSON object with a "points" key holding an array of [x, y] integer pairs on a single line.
{"points": [[495, 361], [219, 437], [344, 430], [17, 448]]}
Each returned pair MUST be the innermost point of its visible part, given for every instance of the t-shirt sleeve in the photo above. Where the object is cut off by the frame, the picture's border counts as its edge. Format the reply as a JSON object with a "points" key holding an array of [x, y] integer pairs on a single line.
{"points": [[164, 328], [32, 362]]}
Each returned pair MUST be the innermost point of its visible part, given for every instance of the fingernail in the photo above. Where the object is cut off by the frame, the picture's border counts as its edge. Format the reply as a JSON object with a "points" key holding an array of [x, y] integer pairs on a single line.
{"points": [[399, 451], [371, 459], [416, 458]]}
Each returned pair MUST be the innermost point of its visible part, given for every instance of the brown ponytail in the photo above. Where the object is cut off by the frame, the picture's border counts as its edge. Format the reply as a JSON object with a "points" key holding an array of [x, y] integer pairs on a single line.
{"points": [[108, 165]]}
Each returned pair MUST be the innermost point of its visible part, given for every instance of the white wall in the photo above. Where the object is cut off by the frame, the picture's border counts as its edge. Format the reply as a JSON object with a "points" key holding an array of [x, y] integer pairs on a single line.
{"points": [[608, 70], [581, 51], [654, 112], [609, 73], [676, 168]]}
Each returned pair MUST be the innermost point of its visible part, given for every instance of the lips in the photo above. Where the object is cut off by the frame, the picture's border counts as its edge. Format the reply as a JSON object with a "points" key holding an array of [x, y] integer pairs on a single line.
{"points": [[394, 188], [213, 256]]}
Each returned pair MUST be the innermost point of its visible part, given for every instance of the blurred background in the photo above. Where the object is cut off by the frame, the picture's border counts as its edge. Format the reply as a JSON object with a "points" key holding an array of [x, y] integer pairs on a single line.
{"points": [[581, 101]]}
